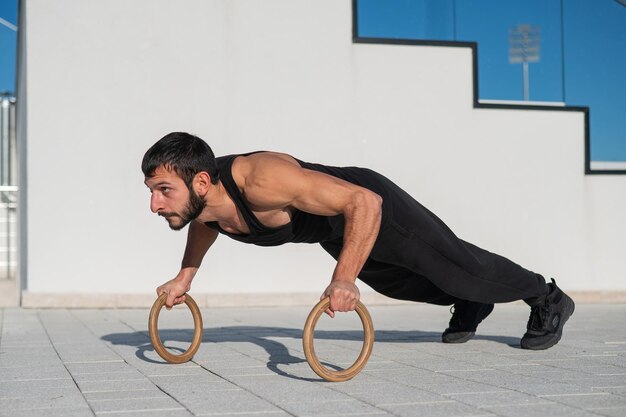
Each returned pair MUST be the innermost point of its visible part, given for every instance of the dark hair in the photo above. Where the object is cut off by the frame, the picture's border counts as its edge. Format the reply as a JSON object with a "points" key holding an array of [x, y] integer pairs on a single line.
{"points": [[184, 153]]}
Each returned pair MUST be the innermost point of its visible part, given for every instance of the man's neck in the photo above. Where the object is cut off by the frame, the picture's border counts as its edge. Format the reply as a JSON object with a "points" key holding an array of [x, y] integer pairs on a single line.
{"points": [[220, 207]]}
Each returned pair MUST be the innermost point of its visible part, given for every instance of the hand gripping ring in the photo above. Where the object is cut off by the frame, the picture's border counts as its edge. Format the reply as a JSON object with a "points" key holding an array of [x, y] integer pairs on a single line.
{"points": [[309, 351], [153, 329]]}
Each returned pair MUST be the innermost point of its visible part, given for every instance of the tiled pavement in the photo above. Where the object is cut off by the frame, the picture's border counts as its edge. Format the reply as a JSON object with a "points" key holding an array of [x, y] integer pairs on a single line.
{"points": [[100, 362]]}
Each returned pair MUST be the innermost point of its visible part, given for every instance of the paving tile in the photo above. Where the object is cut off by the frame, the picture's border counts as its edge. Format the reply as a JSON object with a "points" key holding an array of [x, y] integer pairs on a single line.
{"points": [[497, 398], [463, 387], [330, 408], [205, 381], [435, 409], [115, 385], [16, 388], [124, 395], [49, 412], [57, 371], [19, 360], [135, 405], [278, 390], [362, 384], [86, 352], [177, 372], [619, 390], [611, 411], [254, 414], [130, 374], [590, 401], [589, 382], [539, 410], [225, 402], [390, 394], [176, 412], [540, 388], [36, 402], [412, 377]]}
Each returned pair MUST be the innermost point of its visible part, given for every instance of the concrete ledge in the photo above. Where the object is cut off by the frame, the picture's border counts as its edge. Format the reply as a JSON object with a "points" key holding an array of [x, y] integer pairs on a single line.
{"points": [[9, 296], [65, 300], [598, 297]]}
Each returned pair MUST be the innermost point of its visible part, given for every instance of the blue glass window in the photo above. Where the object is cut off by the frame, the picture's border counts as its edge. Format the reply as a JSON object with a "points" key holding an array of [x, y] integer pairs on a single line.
{"points": [[8, 45], [581, 52]]}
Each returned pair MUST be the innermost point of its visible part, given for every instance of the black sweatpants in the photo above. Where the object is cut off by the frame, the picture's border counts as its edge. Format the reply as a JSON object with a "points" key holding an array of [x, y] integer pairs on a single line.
{"points": [[417, 257]]}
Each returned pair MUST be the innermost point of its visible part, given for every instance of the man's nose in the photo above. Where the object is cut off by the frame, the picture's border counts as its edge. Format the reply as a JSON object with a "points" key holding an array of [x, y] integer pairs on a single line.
{"points": [[155, 203]]}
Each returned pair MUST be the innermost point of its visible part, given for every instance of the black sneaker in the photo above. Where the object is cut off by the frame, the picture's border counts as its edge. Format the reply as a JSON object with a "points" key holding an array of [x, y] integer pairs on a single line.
{"points": [[466, 316], [545, 325]]}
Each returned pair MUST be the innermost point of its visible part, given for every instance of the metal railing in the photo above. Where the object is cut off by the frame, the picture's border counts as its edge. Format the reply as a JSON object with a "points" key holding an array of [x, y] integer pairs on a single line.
{"points": [[8, 190]]}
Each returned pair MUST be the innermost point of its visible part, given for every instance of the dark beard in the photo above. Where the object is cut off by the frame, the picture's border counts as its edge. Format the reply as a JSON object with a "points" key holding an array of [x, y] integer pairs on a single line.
{"points": [[192, 210]]}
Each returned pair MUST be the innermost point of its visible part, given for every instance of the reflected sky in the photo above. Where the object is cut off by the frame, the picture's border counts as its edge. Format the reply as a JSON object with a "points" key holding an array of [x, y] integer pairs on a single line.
{"points": [[582, 51]]}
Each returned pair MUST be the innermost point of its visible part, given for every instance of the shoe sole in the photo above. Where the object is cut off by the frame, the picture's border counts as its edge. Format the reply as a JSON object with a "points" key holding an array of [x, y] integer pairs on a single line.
{"points": [[447, 339], [566, 315]]}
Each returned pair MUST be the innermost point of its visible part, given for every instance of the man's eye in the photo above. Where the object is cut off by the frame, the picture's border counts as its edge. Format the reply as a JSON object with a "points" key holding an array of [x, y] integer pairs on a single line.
{"points": [[165, 190]]}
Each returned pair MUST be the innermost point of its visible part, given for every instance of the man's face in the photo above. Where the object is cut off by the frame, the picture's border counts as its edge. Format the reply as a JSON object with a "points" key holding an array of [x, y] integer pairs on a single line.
{"points": [[170, 198]]}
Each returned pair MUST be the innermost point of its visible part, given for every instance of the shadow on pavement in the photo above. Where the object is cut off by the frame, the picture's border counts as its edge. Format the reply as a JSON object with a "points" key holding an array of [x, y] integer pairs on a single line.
{"points": [[278, 353]]}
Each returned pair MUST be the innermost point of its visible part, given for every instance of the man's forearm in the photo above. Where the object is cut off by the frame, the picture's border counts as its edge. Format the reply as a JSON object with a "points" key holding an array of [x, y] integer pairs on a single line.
{"points": [[199, 240], [362, 224]]}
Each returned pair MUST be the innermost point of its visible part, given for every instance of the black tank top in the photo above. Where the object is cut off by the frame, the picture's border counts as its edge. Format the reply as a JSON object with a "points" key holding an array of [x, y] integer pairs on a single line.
{"points": [[304, 227]]}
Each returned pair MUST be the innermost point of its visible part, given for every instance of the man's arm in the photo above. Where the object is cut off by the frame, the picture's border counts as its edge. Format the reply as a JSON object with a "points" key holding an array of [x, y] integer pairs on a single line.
{"points": [[199, 240], [274, 181], [362, 223]]}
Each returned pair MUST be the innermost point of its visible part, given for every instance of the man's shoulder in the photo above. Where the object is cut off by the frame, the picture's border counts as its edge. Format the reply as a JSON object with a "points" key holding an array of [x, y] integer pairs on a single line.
{"points": [[243, 156], [262, 160]]}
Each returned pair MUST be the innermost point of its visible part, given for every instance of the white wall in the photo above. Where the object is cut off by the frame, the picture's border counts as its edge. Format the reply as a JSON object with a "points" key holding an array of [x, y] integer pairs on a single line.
{"points": [[106, 79]]}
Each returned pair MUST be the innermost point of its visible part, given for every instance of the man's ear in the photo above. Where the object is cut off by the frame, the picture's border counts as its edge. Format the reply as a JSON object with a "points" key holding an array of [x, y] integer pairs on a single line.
{"points": [[201, 183]]}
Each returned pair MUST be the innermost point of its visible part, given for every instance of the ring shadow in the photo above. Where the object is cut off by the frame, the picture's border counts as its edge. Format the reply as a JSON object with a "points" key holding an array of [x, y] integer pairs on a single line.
{"points": [[278, 353]]}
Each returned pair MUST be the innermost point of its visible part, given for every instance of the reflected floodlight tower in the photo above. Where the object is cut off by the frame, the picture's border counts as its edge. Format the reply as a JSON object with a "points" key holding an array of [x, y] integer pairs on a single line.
{"points": [[524, 47]]}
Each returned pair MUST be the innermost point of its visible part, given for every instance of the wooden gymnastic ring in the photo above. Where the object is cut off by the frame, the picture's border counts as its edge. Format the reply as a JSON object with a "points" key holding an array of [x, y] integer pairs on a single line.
{"points": [[153, 329], [309, 351]]}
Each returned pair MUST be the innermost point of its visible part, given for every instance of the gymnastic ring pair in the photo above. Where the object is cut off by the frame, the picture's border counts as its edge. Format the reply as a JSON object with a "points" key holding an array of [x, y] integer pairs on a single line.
{"points": [[307, 338]]}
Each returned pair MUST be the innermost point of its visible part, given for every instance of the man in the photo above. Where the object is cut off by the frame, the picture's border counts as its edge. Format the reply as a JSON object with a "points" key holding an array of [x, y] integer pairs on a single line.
{"points": [[375, 231]]}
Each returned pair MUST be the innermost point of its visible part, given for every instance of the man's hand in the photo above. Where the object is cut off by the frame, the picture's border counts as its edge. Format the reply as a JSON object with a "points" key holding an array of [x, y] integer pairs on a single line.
{"points": [[175, 290], [343, 296]]}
